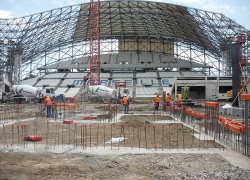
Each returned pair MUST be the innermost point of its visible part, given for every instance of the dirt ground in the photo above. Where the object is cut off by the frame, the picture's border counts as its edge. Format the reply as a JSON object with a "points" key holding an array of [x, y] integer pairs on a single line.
{"points": [[141, 129]]}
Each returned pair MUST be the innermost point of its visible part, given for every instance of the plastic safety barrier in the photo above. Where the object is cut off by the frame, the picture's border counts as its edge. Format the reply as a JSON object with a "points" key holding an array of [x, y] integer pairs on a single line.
{"points": [[33, 138], [67, 121], [233, 125], [89, 117]]}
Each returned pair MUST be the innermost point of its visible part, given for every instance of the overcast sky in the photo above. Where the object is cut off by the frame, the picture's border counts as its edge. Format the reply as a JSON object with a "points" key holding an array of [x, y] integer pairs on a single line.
{"points": [[237, 10]]}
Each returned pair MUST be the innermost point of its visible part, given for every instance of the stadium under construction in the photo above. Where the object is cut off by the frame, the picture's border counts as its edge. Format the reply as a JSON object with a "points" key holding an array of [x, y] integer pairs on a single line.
{"points": [[153, 47]]}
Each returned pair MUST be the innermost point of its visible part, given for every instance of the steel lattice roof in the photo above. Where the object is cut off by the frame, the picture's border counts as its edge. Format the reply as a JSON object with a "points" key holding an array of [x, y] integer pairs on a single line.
{"points": [[43, 32]]}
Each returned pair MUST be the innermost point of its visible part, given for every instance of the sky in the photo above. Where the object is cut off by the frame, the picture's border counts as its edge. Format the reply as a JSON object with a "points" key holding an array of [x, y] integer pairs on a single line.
{"points": [[237, 10]]}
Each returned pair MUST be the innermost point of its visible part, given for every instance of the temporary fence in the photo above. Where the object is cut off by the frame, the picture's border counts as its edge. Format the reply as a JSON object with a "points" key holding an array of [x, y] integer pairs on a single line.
{"points": [[60, 110], [10, 113], [228, 132], [105, 132], [54, 135], [108, 112]]}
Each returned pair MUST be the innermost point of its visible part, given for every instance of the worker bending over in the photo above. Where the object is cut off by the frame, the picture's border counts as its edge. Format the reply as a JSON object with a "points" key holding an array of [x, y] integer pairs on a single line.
{"points": [[157, 102], [125, 102]]}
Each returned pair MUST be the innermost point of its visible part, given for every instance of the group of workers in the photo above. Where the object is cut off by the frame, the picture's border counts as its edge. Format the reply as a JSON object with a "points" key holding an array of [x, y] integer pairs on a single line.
{"points": [[168, 101], [48, 104], [125, 102]]}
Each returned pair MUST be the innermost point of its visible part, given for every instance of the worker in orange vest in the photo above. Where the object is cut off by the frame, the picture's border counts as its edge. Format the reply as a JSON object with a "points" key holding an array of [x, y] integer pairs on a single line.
{"points": [[168, 101], [157, 102], [75, 99], [179, 101], [125, 102], [48, 104]]}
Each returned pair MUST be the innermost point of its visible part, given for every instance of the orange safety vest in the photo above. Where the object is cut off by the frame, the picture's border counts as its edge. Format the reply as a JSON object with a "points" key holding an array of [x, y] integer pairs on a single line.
{"points": [[168, 98], [125, 100], [179, 101], [156, 99], [48, 101]]}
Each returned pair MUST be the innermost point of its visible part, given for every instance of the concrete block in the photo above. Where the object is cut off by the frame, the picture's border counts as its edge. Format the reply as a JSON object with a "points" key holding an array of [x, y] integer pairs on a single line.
{"points": [[222, 110], [238, 112], [229, 111]]}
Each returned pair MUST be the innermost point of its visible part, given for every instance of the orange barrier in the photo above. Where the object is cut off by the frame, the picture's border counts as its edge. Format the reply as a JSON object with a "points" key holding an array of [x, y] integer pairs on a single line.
{"points": [[67, 121], [33, 138], [89, 117], [212, 104], [236, 126], [245, 96]]}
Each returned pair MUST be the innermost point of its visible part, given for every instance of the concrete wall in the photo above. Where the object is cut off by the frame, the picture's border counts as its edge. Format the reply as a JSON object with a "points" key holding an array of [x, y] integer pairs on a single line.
{"points": [[211, 86]]}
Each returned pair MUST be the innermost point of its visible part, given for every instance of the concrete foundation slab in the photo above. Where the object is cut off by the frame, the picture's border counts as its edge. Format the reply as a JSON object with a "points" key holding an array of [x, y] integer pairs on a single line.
{"points": [[202, 136]]}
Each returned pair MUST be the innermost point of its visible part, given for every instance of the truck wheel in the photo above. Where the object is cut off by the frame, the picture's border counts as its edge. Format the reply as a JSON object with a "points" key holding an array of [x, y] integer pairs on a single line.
{"points": [[18, 101], [92, 100], [36, 100]]}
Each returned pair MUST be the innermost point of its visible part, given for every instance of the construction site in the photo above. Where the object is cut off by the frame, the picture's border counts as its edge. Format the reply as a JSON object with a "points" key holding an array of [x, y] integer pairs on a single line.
{"points": [[104, 52]]}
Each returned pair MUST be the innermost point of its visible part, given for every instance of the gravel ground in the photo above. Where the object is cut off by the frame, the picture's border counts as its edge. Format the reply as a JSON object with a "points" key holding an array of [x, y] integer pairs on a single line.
{"points": [[18, 165], [24, 166]]}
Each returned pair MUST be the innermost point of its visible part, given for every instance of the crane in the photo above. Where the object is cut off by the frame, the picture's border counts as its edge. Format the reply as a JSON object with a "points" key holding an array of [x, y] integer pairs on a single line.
{"points": [[94, 30]]}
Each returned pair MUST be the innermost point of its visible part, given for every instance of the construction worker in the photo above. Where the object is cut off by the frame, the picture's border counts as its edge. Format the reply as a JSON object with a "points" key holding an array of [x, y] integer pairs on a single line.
{"points": [[185, 93], [125, 102], [168, 101], [48, 104], [179, 101], [75, 99], [44, 97], [157, 102]]}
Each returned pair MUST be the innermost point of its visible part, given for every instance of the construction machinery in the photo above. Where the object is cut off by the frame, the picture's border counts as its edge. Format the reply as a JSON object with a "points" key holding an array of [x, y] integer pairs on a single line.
{"points": [[101, 94], [27, 93]]}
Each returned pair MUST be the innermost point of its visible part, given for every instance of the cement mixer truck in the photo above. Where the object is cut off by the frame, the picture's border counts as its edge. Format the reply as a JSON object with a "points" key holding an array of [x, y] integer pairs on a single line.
{"points": [[100, 94], [25, 93]]}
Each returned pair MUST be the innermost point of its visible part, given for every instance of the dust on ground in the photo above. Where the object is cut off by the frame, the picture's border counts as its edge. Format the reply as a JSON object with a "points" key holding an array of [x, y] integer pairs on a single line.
{"points": [[29, 166], [142, 119], [24, 166]]}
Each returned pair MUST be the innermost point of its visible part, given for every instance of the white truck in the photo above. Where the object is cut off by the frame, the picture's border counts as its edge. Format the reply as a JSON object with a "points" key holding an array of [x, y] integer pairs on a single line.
{"points": [[26, 93], [100, 93]]}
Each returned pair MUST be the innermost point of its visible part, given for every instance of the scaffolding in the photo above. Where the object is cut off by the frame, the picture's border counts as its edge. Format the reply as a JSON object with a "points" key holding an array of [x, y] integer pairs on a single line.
{"points": [[136, 27]]}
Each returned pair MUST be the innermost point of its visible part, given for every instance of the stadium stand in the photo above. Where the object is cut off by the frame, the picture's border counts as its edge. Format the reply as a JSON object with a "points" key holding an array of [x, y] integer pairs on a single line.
{"points": [[146, 91], [51, 82], [113, 59], [191, 74], [76, 75], [72, 92], [60, 90], [146, 75], [29, 81], [122, 75], [70, 82], [54, 76]]}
